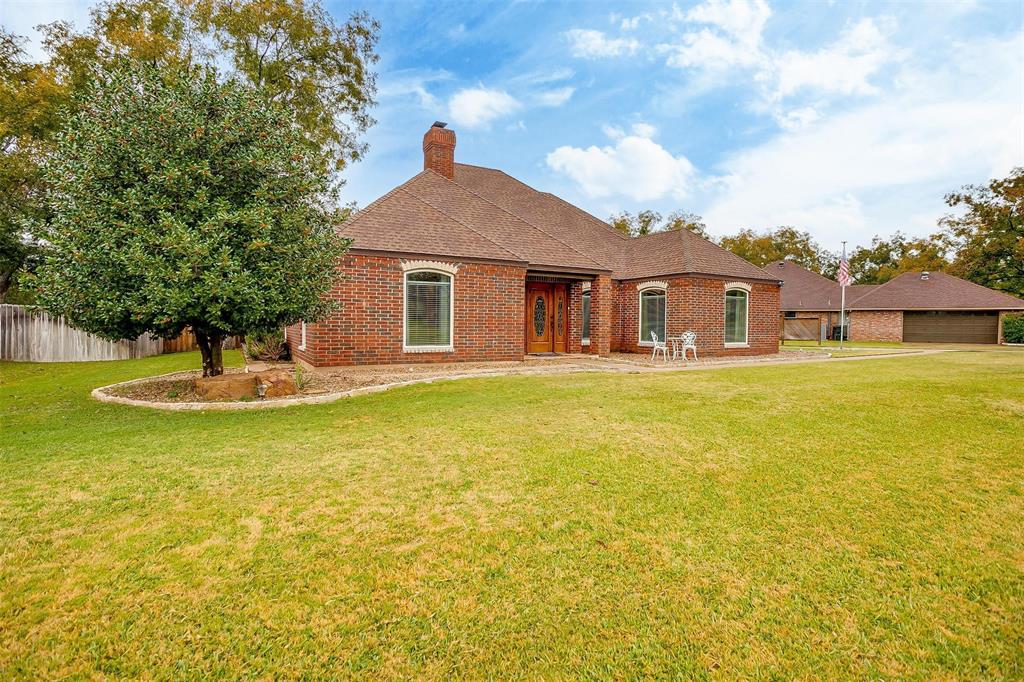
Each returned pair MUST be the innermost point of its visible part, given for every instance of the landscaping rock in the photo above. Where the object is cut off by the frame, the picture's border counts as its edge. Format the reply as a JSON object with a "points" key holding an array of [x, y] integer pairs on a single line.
{"points": [[227, 387], [279, 382]]}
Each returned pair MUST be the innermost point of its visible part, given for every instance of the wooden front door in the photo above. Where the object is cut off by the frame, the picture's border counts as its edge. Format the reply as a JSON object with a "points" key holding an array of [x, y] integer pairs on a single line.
{"points": [[560, 315], [547, 317]]}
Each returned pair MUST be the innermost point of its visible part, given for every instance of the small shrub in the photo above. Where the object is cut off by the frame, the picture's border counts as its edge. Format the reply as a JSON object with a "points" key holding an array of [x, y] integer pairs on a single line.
{"points": [[1013, 328], [266, 347]]}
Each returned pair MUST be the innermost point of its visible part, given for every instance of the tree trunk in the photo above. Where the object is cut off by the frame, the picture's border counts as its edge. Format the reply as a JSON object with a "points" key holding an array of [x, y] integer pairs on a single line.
{"points": [[5, 283], [210, 347]]}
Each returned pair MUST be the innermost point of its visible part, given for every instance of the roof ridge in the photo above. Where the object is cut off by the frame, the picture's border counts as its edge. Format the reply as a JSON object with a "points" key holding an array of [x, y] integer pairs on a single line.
{"points": [[588, 214], [549, 194], [453, 218], [524, 220]]}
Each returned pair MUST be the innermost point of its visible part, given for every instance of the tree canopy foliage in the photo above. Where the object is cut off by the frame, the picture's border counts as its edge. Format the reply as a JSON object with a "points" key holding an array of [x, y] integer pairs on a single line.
{"points": [[648, 222], [176, 201], [886, 258], [762, 248], [987, 237]]}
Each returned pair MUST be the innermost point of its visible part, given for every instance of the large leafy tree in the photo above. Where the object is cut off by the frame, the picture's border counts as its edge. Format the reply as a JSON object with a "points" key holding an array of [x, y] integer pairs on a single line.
{"points": [[886, 258], [762, 248], [291, 50], [988, 234], [180, 201], [648, 222]]}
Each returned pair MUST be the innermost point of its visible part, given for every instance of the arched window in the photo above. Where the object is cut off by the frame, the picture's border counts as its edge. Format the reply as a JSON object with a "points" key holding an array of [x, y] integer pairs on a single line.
{"points": [[653, 313], [737, 300], [429, 310]]}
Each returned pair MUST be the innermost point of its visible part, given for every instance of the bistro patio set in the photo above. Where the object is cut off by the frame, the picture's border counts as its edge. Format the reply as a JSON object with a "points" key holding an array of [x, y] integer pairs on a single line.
{"points": [[687, 341]]}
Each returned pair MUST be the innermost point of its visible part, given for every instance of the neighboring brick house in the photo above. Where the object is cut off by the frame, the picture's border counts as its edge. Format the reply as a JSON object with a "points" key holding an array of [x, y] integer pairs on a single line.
{"points": [[463, 263], [912, 307]]}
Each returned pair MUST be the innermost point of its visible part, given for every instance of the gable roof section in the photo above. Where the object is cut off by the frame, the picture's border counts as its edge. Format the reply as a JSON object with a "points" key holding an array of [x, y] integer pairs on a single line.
{"points": [[683, 252], [939, 292], [422, 229], [546, 212]]}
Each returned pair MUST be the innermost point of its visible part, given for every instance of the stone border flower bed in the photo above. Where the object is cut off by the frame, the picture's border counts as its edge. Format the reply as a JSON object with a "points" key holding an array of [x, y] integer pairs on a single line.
{"points": [[329, 385]]}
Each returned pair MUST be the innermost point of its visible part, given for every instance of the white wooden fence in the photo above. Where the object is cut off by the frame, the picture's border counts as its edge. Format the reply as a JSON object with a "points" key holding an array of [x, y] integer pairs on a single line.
{"points": [[38, 337]]}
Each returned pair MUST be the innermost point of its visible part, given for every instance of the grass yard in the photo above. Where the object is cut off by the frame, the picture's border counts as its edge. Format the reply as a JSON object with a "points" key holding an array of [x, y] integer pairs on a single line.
{"points": [[813, 520]]}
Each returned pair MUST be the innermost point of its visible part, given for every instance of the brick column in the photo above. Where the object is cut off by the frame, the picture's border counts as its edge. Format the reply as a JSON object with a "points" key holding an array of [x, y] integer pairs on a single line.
{"points": [[601, 315], [575, 317]]}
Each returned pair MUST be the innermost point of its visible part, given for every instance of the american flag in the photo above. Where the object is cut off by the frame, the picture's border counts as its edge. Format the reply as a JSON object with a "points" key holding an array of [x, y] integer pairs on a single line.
{"points": [[844, 273]]}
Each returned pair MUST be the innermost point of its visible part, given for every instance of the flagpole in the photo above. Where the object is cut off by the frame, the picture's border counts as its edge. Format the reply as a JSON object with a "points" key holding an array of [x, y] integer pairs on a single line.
{"points": [[842, 305]]}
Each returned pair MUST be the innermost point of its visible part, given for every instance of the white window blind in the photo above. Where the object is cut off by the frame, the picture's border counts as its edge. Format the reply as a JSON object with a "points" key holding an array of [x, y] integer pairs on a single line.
{"points": [[736, 316], [586, 316], [428, 307], [652, 314]]}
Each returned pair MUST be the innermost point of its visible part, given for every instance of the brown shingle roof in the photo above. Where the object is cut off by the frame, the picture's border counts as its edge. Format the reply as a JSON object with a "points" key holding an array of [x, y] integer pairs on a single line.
{"points": [[665, 253], [682, 251], [530, 243], [401, 222], [806, 290], [939, 292], [556, 217], [484, 213], [803, 289]]}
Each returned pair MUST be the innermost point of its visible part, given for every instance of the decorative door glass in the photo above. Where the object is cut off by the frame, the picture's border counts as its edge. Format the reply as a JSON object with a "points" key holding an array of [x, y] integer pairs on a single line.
{"points": [[540, 314]]}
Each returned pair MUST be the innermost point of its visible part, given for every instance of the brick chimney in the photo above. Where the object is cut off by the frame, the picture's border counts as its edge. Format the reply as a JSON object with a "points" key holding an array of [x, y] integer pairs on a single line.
{"points": [[439, 150]]}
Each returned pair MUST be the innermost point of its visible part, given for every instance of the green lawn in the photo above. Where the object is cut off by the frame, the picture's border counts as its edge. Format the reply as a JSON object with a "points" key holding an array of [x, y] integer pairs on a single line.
{"points": [[814, 520]]}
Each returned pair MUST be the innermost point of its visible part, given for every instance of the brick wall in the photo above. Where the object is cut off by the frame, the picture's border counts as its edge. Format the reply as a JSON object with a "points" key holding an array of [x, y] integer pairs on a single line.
{"points": [[368, 327], [876, 325], [698, 304]]}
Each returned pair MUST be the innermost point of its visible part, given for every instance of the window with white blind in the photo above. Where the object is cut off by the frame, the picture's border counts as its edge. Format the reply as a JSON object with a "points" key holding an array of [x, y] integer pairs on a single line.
{"points": [[586, 318], [736, 301], [428, 311], [653, 304]]}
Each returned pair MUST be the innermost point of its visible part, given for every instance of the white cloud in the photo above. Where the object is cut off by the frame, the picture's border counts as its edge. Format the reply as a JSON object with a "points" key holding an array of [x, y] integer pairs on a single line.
{"points": [[414, 82], [556, 97], [635, 167], [644, 130], [590, 44], [477, 107], [845, 67], [732, 39], [711, 52], [871, 169], [741, 20], [797, 118]]}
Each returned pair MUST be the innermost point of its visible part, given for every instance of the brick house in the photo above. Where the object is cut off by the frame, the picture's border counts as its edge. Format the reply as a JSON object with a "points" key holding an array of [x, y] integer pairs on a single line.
{"points": [[912, 307], [464, 263]]}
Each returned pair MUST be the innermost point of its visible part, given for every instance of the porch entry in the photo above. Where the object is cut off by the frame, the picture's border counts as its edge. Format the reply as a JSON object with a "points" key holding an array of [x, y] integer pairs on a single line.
{"points": [[547, 317]]}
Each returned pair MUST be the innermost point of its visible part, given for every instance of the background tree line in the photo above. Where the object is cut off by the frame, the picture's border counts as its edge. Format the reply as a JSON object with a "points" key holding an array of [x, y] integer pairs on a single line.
{"points": [[981, 240]]}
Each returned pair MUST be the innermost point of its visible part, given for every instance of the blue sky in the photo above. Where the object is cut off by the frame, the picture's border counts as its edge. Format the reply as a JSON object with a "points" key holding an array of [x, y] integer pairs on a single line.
{"points": [[847, 119]]}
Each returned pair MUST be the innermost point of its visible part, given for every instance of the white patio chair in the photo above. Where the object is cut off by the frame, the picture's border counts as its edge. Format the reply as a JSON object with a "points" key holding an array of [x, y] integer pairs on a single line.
{"points": [[688, 341], [659, 347]]}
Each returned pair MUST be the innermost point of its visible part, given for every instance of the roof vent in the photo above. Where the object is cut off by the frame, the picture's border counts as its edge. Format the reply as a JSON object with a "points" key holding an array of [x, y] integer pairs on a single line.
{"points": [[924, 275], [439, 124], [782, 264]]}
